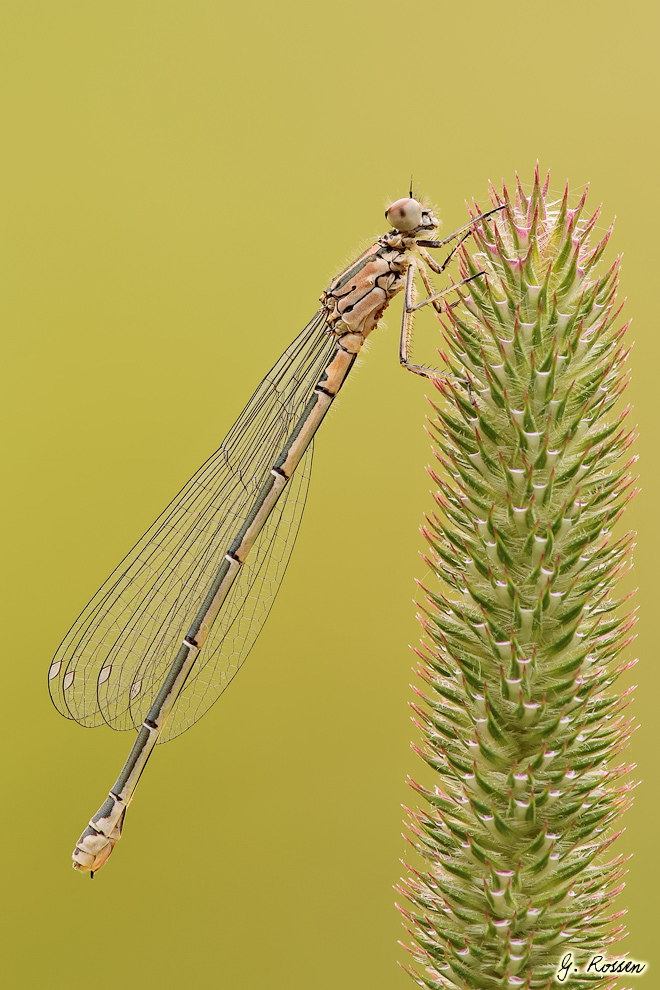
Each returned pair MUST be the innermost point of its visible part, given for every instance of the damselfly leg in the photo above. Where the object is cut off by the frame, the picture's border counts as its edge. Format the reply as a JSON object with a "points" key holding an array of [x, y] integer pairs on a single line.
{"points": [[462, 232], [410, 307]]}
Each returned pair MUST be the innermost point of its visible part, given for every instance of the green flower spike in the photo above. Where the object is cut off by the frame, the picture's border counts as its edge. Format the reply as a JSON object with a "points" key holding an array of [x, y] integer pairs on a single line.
{"points": [[525, 641]]}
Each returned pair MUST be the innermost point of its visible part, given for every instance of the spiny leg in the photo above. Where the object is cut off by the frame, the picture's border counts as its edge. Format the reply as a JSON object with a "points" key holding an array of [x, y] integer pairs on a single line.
{"points": [[409, 309], [433, 264], [406, 328], [427, 285], [463, 233], [466, 227], [443, 292]]}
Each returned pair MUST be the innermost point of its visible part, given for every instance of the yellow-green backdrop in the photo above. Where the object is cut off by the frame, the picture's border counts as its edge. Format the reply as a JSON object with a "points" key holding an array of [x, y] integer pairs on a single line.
{"points": [[179, 182]]}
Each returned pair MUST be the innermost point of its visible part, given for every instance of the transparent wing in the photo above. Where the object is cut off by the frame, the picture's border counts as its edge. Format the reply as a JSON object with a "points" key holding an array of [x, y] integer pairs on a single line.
{"points": [[112, 661], [246, 608]]}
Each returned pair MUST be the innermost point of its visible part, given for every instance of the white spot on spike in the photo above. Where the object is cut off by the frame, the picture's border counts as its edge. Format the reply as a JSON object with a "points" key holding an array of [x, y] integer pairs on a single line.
{"points": [[104, 674], [54, 669], [135, 690], [68, 679]]}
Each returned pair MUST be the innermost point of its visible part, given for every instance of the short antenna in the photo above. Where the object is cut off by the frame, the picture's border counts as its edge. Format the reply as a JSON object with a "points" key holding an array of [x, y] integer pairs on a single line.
{"points": [[411, 195]]}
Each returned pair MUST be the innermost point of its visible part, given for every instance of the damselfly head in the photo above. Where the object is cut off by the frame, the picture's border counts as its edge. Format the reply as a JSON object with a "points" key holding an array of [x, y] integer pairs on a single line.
{"points": [[405, 214], [408, 214]]}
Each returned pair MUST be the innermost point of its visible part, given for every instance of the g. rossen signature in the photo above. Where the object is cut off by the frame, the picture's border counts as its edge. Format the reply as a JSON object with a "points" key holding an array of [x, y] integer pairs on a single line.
{"points": [[600, 965]]}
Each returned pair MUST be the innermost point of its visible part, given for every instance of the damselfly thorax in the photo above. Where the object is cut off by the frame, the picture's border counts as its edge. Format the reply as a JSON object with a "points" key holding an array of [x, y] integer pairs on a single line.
{"points": [[356, 299], [164, 636]]}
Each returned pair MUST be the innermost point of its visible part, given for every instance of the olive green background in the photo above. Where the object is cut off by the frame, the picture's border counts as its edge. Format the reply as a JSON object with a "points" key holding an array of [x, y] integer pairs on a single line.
{"points": [[179, 182]]}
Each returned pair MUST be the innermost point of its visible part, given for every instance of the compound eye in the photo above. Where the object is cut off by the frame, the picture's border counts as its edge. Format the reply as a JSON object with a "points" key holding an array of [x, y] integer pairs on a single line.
{"points": [[405, 214]]}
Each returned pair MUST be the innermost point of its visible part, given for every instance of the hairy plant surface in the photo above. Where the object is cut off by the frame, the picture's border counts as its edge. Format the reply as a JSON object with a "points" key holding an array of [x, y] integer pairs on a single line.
{"points": [[521, 652]]}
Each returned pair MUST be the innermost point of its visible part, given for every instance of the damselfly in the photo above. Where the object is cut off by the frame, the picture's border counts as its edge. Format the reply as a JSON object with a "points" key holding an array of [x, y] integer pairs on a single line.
{"points": [[164, 636]]}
